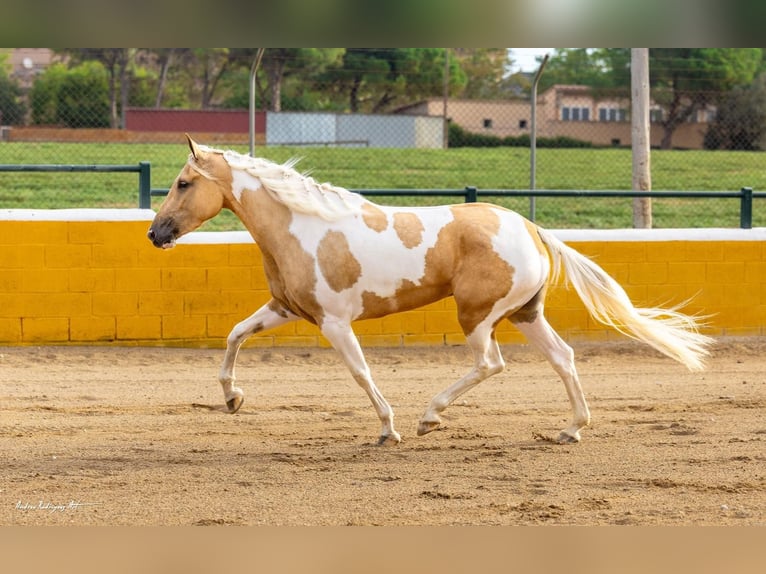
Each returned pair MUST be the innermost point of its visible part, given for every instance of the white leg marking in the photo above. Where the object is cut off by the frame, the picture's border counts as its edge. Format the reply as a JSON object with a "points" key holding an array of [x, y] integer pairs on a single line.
{"points": [[264, 318], [488, 361], [342, 337], [560, 355]]}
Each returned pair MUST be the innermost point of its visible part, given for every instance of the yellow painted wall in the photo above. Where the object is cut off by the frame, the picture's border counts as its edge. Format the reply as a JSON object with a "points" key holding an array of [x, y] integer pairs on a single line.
{"points": [[97, 282]]}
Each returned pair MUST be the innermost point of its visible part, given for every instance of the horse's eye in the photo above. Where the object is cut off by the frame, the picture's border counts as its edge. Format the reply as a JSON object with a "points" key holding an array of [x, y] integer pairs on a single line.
{"points": [[183, 184]]}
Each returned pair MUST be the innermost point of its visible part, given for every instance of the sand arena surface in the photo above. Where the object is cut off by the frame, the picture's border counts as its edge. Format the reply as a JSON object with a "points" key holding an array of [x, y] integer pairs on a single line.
{"points": [[137, 436]]}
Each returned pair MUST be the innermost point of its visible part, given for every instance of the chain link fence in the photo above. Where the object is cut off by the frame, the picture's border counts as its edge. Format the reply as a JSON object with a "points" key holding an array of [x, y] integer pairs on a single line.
{"points": [[374, 119]]}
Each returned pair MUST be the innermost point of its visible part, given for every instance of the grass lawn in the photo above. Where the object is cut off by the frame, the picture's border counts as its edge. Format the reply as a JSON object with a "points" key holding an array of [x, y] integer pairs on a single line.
{"points": [[366, 168]]}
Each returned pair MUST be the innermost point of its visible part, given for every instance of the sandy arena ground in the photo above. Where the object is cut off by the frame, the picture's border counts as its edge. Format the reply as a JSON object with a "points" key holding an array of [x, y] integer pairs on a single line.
{"points": [[136, 436]]}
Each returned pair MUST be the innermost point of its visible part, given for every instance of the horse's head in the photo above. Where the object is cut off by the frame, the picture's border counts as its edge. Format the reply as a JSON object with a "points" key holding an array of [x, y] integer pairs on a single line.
{"points": [[197, 194]]}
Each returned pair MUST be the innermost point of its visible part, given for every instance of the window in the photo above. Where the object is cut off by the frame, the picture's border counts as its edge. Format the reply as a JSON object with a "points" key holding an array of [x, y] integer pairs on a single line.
{"points": [[522, 124], [612, 115], [655, 115], [575, 114], [487, 123]]}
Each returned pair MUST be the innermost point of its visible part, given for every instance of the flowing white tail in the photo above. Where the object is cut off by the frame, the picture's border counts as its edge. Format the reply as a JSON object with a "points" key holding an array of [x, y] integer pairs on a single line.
{"points": [[670, 332]]}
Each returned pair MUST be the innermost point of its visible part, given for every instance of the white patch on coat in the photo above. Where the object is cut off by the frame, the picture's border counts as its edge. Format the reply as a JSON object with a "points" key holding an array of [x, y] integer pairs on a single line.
{"points": [[514, 245]]}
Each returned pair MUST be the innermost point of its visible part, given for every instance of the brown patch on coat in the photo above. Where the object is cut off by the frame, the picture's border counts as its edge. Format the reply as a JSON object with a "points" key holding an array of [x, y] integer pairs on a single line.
{"points": [[484, 277], [462, 263], [409, 229], [338, 265], [289, 269], [374, 217], [408, 296]]}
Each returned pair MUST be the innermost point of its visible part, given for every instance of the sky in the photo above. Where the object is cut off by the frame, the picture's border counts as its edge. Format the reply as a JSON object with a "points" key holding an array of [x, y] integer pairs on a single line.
{"points": [[524, 58]]}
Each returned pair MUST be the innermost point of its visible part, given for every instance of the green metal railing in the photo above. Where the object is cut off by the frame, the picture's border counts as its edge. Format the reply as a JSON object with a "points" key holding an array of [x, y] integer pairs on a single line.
{"points": [[143, 169], [469, 194], [473, 194]]}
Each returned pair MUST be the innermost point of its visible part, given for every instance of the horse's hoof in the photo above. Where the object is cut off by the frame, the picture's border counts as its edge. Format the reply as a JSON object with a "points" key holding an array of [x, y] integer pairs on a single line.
{"points": [[389, 439], [426, 427], [234, 403], [566, 438]]}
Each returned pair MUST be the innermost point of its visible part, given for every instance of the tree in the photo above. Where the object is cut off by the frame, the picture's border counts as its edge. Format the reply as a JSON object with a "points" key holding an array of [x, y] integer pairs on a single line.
{"points": [[580, 66], [165, 59], [210, 66], [280, 65], [482, 72], [685, 80], [373, 79]]}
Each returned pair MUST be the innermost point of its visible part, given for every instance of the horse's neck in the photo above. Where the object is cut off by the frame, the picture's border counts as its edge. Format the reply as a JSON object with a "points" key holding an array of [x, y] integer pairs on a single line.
{"points": [[263, 216]]}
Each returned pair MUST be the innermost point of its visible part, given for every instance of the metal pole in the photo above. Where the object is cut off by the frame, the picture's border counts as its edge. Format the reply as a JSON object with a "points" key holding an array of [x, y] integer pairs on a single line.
{"points": [[144, 185], [746, 208], [445, 134], [533, 138], [253, 71]]}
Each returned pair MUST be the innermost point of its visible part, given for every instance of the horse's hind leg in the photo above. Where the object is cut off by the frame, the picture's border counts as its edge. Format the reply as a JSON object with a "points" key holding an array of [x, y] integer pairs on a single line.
{"points": [[540, 334], [345, 342], [270, 315], [487, 361]]}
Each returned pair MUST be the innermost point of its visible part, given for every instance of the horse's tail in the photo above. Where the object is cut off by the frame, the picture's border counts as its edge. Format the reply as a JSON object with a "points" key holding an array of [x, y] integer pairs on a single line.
{"points": [[670, 332]]}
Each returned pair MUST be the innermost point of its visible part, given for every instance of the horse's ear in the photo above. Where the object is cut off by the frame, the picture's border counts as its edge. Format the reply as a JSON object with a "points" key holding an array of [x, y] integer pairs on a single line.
{"points": [[196, 152]]}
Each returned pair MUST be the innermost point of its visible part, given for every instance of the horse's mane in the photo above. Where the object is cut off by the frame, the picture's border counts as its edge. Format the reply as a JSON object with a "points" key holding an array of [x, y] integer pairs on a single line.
{"points": [[299, 192]]}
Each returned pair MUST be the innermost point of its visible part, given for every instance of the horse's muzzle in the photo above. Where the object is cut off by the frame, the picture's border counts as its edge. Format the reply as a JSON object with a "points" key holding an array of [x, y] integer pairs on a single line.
{"points": [[162, 234]]}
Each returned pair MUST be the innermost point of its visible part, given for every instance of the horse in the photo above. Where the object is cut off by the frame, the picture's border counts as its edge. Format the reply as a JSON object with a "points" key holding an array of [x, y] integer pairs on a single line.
{"points": [[332, 257]]}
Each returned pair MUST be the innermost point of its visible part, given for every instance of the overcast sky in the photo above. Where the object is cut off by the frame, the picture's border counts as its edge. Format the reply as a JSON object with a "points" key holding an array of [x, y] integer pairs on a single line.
{"points": [[524, 58]]}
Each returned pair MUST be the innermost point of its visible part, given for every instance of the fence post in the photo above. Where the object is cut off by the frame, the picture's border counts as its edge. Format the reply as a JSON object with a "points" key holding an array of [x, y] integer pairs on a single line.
{"points": [[746, 208], [471, 194], [144, 185]]}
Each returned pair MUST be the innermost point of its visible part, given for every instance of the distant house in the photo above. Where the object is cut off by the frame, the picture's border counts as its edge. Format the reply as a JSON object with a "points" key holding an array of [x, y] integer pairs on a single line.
{"points": [[27, 63], [494, 117], [562, 110]]}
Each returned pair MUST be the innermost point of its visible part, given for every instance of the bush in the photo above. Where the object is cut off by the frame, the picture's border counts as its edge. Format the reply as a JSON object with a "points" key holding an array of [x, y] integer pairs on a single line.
{"points": [[76, 98], [459, 137], [740, 122], [83, 100], [12, 110]]}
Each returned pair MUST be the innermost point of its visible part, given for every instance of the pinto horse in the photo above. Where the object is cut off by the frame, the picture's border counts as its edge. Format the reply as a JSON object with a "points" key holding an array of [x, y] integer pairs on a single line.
{"points": [[332, 257]]}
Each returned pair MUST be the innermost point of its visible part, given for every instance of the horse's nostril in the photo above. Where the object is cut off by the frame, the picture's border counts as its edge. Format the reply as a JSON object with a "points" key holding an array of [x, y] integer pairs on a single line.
{"points": [[150, 234]]}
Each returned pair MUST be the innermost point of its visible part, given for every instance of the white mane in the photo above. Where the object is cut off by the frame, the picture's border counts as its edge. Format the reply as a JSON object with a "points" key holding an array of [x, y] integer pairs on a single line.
{"points": [[299, 192]]}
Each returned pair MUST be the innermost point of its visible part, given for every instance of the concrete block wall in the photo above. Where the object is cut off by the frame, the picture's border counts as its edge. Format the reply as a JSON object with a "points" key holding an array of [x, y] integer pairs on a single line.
{"points": [[92, 277]]}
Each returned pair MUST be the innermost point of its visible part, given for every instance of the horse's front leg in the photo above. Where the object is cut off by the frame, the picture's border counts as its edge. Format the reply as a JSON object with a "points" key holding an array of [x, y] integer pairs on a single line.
{"points": [[342, 338], [270, 315]]}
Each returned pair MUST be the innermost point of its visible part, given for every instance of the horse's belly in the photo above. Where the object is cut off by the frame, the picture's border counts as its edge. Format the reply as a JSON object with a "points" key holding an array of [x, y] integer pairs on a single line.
{"points": [[406, 298]]}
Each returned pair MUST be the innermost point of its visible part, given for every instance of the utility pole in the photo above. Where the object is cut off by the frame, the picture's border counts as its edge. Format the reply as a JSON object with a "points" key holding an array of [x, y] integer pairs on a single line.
{"points": [[640, 135], [533, 139]]}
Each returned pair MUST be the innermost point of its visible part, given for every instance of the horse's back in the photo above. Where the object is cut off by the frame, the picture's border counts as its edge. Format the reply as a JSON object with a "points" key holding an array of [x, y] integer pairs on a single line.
{"points": [[389, 259]]}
